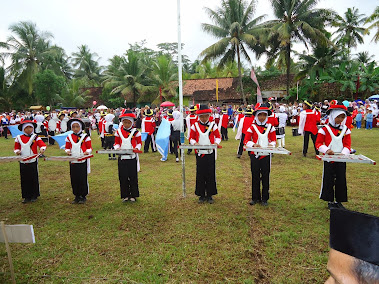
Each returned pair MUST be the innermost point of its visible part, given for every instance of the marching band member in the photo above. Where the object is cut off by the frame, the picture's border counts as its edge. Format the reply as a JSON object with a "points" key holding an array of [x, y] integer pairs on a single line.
{"points": [[108, 134], [223, 125], [281, 130], [332, 139], [48, 132], [238, 118], [244, 125], [61, 116], [78, 144], [204, 132], [175, 127], [260, 134], [102, 128], [190, 120], [128, 138], [148, 125], [308, 126], [26, 145]]}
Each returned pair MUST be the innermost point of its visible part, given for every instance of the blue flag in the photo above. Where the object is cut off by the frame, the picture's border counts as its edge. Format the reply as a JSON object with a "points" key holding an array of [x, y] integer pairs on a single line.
{"points": [[163, 138], [143, 136], [14, 130], [61, 139]]}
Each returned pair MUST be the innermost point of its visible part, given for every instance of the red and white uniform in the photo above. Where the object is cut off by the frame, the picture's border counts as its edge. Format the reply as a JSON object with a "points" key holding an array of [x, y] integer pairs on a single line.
{"points": [[224, 121], [251, 136], [102, 127], [190, 120], [244, 125], [86, 144], [46, 125], [148, 125], [308, 121], [273, 120], [30, 145], [324, 139], [135, 140], [213, 133]]}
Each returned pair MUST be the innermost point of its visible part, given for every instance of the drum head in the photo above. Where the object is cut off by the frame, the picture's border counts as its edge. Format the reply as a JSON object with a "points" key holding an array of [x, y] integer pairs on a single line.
{"points": [[52, 125], [64, 125]]}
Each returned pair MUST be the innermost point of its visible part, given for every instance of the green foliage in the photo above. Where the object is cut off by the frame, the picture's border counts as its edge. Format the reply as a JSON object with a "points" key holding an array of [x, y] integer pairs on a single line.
{"points": [[374, 19], [47, 87], [75, 94]]}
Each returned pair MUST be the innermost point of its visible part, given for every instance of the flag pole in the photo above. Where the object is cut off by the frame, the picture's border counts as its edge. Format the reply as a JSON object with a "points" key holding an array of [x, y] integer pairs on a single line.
{"points": [[181, 99]]}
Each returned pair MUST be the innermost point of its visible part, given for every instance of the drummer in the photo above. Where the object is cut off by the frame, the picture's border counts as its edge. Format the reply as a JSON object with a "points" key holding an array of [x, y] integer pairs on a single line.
{"points": [[334, 138], [77, 144], [26, 145]]}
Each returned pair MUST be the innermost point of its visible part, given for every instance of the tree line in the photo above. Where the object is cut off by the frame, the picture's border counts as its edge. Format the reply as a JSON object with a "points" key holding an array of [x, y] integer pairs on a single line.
{"points": [[40, 72]]}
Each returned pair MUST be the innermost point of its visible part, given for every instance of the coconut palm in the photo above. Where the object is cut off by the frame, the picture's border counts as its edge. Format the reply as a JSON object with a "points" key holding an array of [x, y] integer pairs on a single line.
{"points": [[364, 57], [235, 28], [296, 21], [27, 47], [374, 19], [126, 76], [350, 28], [162, 75], [86, 64]]}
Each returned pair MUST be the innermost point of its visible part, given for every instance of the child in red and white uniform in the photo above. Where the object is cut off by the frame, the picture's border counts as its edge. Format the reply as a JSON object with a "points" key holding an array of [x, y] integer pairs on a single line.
{"points": [[102, 123], [148, 125], [334, 138], [128, 138], [238, 118], [260, 134], [204, 132], [26, 145], [223, 125], [78, 144], [309, 118]]}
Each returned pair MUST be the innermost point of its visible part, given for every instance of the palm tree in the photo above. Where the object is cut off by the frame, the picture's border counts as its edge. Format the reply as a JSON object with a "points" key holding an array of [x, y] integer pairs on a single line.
{"points": [[375, 19], [126, 76], [163, 74], [364, 57], [75, 94], [350, 28], [234, 26], [86, 63], [296, 21], [58, 61], [27, 48]]}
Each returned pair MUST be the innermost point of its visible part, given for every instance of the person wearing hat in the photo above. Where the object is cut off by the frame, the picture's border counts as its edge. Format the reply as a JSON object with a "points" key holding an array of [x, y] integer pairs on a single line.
{"points": [[260, 134], [78, 144], [272, 119], [128, 138], [334, 138], [148, 125], [204, 132], [354, 248], [281, 129], [190, 120], [308, 126], [61, 116], [223, 125], [26, 145], [244, 125], [175, 128]]}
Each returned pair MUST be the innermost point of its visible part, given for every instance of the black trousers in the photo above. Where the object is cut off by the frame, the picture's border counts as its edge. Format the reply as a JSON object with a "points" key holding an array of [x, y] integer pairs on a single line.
{"points": [[224, 133], [108, 143], [5, 131], [260, 171], [79, 181], [128, 176], [29, 180], [150, 139], [306, 141], [240, 147], [206, 175], [334, 182], [51, 140]]}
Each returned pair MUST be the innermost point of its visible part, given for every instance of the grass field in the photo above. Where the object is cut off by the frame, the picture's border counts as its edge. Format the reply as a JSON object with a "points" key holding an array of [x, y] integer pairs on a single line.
{"points": [[164, 237]]}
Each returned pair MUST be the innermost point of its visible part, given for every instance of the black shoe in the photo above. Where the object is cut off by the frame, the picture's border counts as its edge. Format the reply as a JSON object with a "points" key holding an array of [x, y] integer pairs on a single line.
{"points": [[201, 199], [264, 203], [146, 151], [339, 205], [304, 154], [26, 200], [332, 205], [189, 152], [253, 202], [33, 199], [238, 156], [82, 199], [76, 200], [210, 200]]}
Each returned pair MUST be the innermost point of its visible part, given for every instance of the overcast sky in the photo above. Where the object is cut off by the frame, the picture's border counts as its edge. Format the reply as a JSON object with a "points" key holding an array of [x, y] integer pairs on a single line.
{"points": [[108, 27]]}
